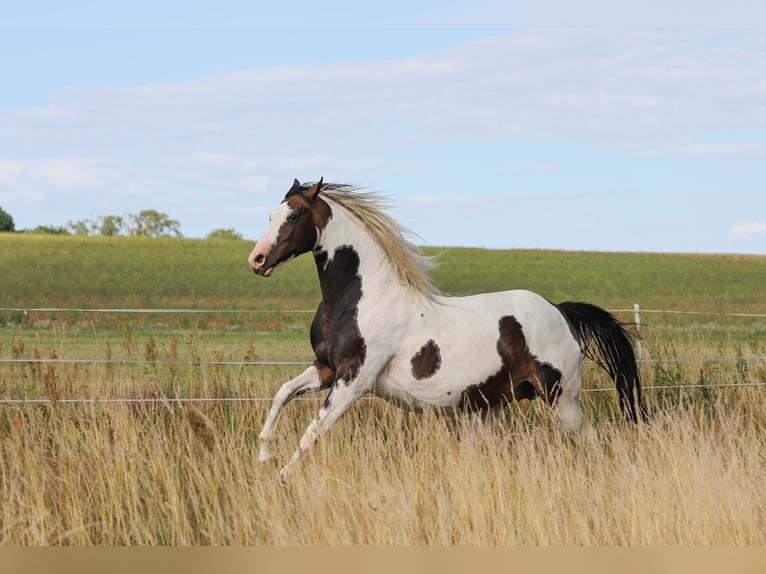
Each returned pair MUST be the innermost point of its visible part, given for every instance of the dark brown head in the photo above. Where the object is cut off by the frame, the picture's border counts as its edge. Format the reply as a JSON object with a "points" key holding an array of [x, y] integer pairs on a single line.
{"points": [[294, 228]]}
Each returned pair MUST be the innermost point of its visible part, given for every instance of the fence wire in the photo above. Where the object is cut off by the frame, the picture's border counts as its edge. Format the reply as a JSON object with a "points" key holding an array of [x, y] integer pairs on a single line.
{"points": [[301, 311], [158, 311], [192, 400], [156, 362], [196, 362], [243, 363]]}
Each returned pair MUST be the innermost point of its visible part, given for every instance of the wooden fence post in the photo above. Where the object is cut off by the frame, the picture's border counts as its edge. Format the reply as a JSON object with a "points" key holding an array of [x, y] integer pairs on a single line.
{"points": [[637, 320]]}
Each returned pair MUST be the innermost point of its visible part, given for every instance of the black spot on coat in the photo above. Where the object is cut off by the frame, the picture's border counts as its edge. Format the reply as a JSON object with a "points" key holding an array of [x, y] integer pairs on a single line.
{"points": [[426, 362]]}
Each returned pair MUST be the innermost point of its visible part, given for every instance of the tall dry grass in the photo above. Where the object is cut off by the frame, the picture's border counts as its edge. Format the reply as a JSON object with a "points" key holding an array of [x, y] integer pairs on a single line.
{"points": [[180, 473], [164, 474]]}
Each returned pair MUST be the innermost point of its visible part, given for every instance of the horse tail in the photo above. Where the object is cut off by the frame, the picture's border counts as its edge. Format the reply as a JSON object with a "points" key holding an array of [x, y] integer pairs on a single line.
{"points": [[613, 341]]}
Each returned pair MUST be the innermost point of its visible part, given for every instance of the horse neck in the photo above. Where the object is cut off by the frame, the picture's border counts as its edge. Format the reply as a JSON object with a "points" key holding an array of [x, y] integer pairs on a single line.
{"points": [[346, 251]]}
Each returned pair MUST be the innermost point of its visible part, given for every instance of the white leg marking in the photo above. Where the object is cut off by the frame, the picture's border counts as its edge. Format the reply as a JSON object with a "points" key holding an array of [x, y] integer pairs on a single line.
{"points": [[570, 414], [568, 405], [339, 401], [306, 382]]}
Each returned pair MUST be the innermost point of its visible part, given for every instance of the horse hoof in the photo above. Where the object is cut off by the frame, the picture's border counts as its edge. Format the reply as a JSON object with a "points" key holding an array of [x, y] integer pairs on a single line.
{"points": [[284, 475], [265, 455]]}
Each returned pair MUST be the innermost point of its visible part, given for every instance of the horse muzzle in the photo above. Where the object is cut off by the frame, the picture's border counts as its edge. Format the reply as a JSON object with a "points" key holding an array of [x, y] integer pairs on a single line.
{"points": [[258, 264]]}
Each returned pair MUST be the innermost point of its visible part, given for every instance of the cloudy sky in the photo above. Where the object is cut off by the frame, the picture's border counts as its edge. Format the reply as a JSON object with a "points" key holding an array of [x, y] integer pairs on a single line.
{"points": [[547, 124]]}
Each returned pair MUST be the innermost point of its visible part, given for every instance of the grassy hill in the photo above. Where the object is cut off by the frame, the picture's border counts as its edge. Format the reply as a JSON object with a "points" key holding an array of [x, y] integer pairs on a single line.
{"points": [[52, 271]]}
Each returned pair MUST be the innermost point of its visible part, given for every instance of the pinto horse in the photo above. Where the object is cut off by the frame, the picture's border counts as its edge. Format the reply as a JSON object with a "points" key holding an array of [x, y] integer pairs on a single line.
{"points": [[382, 327]]}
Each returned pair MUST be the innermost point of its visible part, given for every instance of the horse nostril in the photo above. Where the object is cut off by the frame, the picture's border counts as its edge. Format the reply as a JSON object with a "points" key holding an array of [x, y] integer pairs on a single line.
{"points": [[259, 258]]}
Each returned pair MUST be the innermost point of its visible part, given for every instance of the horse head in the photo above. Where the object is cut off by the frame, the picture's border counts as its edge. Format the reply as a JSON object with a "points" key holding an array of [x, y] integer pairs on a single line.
{"points": [[295, 227]]}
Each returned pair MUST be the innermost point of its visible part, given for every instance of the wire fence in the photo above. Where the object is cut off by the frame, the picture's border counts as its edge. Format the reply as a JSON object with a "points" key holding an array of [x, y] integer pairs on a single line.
{"points": [[259, 363], [230, 400], [157, 311], [157, 362], [243, 363], [160, 311]]}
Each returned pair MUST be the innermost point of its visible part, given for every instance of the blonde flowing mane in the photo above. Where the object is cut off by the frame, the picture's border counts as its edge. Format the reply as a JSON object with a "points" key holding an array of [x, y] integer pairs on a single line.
{"points": [[368, 207]]}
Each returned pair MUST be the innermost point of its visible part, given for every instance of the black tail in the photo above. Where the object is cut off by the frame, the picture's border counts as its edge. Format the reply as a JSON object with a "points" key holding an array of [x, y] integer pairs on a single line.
{"points": [[613, 341]]}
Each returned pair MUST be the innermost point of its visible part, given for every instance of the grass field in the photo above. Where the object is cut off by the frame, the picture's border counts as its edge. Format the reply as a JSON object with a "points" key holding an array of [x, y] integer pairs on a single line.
{"points": [[169, 472]]}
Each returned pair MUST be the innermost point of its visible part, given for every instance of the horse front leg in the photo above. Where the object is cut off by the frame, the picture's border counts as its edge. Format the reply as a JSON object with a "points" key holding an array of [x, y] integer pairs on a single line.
{"points": [[308, 381], [340, 399]]}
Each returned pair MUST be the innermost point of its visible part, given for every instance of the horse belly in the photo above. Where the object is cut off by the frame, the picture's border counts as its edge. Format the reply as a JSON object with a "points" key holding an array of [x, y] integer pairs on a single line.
{"points": [[435, 372]]}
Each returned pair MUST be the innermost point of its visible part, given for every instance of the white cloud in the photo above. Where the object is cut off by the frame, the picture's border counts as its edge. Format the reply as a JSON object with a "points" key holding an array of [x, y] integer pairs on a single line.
{"points": [[395, 14], [557, 83], [677, 15], [264, 173], [27, 199], [423, 201], [25, 182], [712, 151], [745, 230]]}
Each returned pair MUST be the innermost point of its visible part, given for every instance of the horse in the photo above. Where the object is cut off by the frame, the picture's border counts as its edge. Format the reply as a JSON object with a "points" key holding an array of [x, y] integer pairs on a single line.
{"points": [[383, 328]]}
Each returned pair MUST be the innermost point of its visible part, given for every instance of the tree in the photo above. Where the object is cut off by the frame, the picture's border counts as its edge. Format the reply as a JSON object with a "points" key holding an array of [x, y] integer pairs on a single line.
{"points": [[102, 225], [6, 221], [224, 234], [151, 223], [50, 230], [147, 223], [84, 227], [111, 225]]}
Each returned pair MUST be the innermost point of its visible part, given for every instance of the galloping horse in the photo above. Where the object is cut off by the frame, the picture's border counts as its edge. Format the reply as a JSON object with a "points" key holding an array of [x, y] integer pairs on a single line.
{"points": [[382, 328]]}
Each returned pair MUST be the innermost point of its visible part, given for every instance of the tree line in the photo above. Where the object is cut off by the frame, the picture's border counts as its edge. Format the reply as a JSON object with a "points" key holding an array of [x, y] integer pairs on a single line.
{"points": [[146, 223]]}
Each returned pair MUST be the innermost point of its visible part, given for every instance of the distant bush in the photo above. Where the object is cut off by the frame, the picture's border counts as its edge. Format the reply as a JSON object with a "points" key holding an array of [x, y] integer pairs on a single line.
{"points": [[224, 234], [49, 230]]}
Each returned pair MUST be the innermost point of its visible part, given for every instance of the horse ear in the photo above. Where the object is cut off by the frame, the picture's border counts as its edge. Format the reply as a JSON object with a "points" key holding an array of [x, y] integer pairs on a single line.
{"points": [[313, 191], [296, 184]]}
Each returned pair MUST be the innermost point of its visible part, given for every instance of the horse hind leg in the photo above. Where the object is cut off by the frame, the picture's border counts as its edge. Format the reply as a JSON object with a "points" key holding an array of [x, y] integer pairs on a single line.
{"points": [[560, 388], [567, 404], [570, 413], [532, 377], [563, 396]]}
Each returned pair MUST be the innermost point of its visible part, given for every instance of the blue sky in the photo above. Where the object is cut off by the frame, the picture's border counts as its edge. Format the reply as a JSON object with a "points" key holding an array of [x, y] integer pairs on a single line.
{"points": [[550, 124]]}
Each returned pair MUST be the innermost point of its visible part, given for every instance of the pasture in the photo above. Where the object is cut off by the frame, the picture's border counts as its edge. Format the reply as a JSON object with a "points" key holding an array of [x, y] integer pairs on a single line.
{"points": [[161, 470]]}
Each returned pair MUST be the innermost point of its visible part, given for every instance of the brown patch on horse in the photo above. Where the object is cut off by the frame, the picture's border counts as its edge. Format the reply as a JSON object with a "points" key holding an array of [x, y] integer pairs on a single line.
{"points": [[326, 373], [336, 339], [318, 209], [521, 376], [427, 361], [493, 391]]}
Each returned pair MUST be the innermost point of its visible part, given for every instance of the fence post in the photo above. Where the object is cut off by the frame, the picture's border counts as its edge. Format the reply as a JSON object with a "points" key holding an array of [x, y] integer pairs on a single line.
{"points": [[637, 320]]}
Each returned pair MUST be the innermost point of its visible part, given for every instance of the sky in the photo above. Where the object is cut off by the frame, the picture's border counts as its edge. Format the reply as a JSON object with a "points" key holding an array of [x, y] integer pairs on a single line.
{"points": [[552, 124]]}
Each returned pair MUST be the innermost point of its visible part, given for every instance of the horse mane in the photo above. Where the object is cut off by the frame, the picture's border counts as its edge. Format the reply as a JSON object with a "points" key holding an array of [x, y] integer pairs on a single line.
{"points": [[369, 208]]}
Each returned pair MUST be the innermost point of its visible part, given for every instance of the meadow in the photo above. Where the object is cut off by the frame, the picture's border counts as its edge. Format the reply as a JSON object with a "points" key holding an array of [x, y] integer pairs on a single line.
{"points": [[164, 470]]}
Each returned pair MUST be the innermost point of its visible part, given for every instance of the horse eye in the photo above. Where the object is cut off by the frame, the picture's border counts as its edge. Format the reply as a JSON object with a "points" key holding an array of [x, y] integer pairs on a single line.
{"points": [[292, 218]]}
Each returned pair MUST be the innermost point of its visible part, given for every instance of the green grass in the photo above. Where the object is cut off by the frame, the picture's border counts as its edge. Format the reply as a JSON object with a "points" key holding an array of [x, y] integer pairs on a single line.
{"points": [[145, 272], [138, 272]]}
